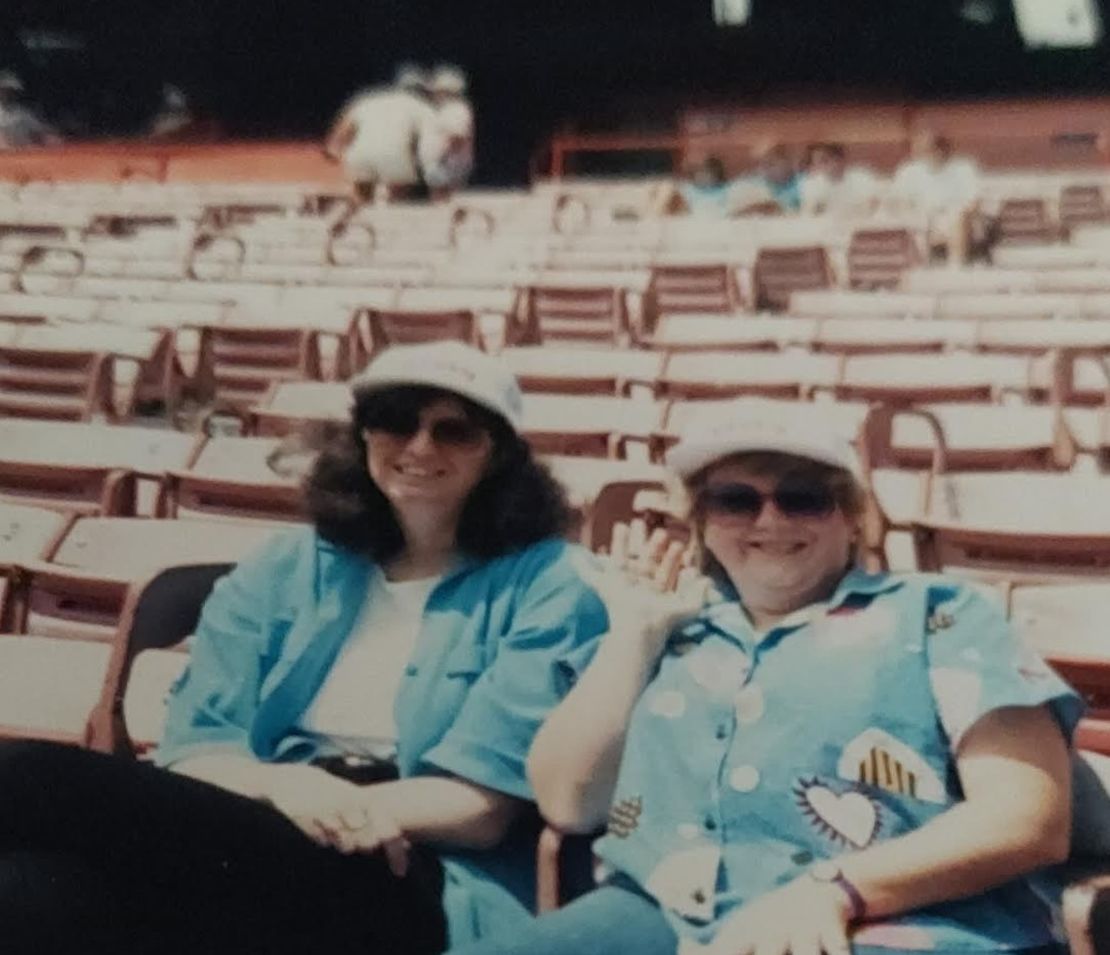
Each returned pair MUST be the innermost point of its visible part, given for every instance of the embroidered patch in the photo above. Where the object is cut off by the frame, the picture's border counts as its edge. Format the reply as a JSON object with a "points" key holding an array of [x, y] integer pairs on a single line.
{"points": [[877, 758], [624, 817], [848, 818]]}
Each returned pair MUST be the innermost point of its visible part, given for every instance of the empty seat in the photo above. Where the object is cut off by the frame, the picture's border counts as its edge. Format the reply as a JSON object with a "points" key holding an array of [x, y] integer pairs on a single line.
{"points": [[779, 272], [49, 686], [1024, 221], [238, 365], [81, 590], [1080, 205], [733, 333], [290, 405], [860, 336], [844, 303], [920, 379], [878, 257], [985, 524], [595, 314], [693, 375], [701, 288], [582, 370], [60, 384], [589, 426], [403, 327]]}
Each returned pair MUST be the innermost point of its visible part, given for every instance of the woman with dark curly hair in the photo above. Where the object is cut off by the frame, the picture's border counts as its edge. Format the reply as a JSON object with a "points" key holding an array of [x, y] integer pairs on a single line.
{"points": [[414, 637]]}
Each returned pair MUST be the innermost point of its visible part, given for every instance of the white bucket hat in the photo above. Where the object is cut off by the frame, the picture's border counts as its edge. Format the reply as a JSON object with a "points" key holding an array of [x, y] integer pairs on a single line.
{"points": [[761, 424], [452, 366]]}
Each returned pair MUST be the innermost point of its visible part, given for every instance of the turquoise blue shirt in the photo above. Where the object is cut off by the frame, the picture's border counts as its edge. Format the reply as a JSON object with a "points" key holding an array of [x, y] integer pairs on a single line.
{"points": [[748, 759], [502, 642]]}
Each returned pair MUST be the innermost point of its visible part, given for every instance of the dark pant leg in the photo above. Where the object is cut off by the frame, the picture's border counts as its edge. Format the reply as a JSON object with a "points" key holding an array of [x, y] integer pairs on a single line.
{"points": [[606, 921], [204, 864]]}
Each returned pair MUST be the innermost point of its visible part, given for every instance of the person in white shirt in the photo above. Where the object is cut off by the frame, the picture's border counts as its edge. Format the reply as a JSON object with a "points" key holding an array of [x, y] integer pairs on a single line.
{"points": [[377, 134], [19, 125], [831, 186], [944, 188], [446, 148]]}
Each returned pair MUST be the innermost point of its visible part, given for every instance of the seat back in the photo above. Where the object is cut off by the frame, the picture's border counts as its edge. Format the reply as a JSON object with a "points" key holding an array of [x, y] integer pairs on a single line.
{"points": [[782, 271], [1081, 204], [587, 313], [88, 490], [1024, 221], [59, 384], [159, 614], [693, 288], [198, 495], [239, 364], [405, 327], [878, 257]]}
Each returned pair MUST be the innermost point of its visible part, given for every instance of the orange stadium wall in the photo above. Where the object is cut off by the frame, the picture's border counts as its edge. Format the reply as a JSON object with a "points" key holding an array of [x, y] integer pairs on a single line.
{"points": [[1064, 133], [138, 161]]}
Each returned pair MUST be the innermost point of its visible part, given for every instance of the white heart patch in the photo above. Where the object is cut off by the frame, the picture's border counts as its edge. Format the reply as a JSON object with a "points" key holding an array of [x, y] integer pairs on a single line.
{"points": [[849, 817]]}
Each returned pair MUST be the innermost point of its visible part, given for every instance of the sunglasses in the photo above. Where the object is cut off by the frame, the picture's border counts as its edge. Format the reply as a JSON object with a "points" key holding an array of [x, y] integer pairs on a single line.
{"points": [[453, 432], [792, 499]]}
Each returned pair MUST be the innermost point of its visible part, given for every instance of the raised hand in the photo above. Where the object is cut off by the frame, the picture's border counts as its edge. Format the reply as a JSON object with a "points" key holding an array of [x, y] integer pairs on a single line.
{"points": [[646, 582]]}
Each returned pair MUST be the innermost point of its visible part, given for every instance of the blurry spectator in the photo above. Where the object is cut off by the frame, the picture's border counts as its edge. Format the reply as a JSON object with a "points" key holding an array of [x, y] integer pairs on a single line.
{"points": [[376, 137], [777, 176], [173, 117], [19, 124], [446, 149], [831, 185], [705, 193], [944, 188]]}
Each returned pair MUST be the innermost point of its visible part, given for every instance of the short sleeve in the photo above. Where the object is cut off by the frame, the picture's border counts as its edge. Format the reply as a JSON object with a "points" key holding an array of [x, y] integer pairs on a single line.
{"points": [[553, 636], [212, 705], [978, 664]]}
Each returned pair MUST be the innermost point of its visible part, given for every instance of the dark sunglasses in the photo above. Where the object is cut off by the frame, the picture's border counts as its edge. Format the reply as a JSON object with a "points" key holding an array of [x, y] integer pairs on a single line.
{"points": [[792, 499], [453, 432]]}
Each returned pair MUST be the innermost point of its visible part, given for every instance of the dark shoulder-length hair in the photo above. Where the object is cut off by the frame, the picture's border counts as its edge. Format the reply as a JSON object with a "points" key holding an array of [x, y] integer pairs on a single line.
{"points": [[515, 504]]}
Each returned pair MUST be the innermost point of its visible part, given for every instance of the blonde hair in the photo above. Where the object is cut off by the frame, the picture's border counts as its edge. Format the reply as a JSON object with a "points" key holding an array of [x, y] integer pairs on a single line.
{"points": [[850, 496]]}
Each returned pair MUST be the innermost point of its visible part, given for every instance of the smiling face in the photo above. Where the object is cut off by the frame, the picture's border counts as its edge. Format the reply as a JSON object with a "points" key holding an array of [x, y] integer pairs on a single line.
{"points": [[779, 562], [427, 460]]}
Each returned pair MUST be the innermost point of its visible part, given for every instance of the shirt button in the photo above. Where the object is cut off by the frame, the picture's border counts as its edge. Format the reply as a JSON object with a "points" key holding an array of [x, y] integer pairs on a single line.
{"points": [[710, 823], [722, 732], [750, 704], [700, 896], [744, 779]]}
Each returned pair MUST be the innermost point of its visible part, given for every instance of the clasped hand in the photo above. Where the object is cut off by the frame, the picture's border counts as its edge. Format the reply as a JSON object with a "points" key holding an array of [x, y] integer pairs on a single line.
{"points": [[336, 813], [803, 917]]}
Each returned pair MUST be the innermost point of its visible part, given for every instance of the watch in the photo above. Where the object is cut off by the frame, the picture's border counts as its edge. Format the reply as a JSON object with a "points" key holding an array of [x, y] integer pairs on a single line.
{"points": [[829, 873]]}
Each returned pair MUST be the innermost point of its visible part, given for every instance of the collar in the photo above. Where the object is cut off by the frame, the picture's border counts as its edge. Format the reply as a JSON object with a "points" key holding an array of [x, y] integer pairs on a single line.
{"points": [[724, 611]]}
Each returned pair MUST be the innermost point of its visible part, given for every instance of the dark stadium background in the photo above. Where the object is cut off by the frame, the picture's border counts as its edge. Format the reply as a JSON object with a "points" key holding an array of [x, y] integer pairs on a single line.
{"points": [[281, 68]]}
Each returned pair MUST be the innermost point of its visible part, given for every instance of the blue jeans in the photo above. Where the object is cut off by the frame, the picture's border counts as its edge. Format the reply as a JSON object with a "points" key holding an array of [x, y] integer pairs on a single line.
{"points": [[617, 919], [605, 920]]}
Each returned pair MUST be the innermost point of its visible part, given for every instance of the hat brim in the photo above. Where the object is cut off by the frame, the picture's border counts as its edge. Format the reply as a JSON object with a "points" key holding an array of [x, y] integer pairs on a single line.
{"points": [[386, 382], [689, 457]]}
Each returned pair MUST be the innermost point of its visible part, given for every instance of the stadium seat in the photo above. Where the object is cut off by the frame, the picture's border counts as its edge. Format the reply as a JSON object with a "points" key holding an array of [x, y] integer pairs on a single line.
{"points": [[601, 371], [878, 257], [588, 426], [780, 272], [158, 616], [701, 375], [58, 384], [574, 313]]}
